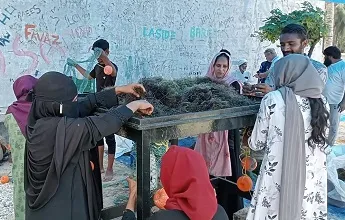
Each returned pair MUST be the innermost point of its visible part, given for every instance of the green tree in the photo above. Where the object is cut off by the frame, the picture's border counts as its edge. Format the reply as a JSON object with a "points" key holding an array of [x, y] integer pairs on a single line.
{"points": [[312, 18], [339, 26]]}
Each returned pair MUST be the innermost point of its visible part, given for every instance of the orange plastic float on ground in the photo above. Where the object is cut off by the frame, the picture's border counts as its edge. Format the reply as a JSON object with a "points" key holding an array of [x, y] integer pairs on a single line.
{"points": [[4, 179]]}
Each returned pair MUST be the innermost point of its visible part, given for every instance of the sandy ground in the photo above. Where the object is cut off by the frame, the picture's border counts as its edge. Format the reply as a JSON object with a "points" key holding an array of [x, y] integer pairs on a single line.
{"points": [[114, 192]]}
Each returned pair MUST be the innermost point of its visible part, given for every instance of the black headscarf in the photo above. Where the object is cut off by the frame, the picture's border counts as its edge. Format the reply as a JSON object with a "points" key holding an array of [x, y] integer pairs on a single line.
{"points": [[53, 98]]}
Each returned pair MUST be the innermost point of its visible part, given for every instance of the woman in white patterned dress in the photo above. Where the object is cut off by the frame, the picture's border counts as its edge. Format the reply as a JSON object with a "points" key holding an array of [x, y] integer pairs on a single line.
{"points": [[290, 127]]}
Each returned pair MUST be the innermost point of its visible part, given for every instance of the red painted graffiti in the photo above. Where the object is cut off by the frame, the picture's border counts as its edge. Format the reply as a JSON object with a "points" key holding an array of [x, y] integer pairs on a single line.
{"points": [[23, 53], [81, 32], [44, 56], [32, 34]]}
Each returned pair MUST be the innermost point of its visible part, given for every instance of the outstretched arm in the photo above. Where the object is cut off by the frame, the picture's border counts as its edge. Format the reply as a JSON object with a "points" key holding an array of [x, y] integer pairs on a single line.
{"points": [[97, 127], [89, 104], [106, 98], [82, 71]]}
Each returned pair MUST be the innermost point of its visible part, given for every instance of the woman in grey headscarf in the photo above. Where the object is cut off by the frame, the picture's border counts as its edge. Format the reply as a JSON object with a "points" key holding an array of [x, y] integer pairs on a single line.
{"points": [[291, 126]]}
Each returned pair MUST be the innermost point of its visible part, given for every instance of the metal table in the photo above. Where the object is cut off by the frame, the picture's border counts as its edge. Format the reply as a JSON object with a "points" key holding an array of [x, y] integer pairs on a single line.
{"points": [[144, 131]]}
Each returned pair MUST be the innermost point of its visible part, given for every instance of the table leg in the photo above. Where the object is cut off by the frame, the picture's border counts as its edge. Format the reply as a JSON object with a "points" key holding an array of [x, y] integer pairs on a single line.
{"points": [[143, 177], [237, 151], [228, 196], [237, 169], [174, 142]]}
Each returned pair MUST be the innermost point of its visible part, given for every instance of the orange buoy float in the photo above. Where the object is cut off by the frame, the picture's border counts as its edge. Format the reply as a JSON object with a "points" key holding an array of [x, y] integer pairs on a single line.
{"points": [[249, 163], [160, 198], [108, 70], [244, 183], [4, 179]]}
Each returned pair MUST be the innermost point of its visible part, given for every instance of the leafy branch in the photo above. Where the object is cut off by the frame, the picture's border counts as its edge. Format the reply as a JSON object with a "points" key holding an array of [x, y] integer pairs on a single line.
{"points": [[312, 18]]}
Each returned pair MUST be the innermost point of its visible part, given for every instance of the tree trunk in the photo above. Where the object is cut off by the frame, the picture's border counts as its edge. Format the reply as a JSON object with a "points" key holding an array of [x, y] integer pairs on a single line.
{"points": [[311, 50], [329, 19]]}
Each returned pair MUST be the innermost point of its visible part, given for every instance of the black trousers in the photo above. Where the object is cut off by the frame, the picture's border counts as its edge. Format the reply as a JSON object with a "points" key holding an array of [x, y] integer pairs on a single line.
{"points": [[227, 196], [110, 142]]}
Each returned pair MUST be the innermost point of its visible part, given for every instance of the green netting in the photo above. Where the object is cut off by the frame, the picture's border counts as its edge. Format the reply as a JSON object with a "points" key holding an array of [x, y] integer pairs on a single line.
{"points": [[87, 87], [185, 95], [83, 85], [157, 150]]}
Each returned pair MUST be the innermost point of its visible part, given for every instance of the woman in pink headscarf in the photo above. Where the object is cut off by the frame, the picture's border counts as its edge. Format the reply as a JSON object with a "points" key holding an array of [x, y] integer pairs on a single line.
{"points": [[219, 70], [214, 146]]}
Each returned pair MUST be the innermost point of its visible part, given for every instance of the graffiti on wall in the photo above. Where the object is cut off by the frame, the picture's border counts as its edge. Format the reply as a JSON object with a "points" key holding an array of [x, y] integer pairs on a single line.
{"points": [[147, 38]]}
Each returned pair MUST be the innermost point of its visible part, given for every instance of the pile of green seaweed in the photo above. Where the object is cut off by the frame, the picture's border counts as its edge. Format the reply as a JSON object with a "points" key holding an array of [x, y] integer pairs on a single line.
{"points": [[170, 97]]}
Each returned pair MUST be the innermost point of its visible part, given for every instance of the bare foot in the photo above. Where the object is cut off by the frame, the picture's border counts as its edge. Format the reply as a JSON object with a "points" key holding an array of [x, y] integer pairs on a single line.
{"points": [[108, 175], [102, 170]]}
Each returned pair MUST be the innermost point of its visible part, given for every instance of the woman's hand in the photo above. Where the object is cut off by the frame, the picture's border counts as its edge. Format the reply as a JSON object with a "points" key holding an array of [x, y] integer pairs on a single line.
{"points": [[247, 89], [263, 88], [141, 106], [133, 89]]}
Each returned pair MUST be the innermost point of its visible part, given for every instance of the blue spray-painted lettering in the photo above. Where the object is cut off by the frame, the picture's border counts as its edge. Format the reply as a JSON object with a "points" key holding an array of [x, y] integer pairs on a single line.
{"points": [[199, 33], [5, 39], [159, 33], [6, 16]]}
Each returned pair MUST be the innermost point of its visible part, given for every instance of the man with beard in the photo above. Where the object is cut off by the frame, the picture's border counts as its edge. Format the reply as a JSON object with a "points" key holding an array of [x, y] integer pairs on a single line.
{"points": [[293, 40], [334, 89]]}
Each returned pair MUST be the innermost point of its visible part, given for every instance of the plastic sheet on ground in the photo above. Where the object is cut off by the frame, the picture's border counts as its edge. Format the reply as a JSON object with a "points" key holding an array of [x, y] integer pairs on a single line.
{"points": [[336, 187]]}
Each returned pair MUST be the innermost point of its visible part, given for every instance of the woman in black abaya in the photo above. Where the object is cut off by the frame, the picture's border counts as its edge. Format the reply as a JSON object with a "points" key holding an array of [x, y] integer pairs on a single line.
{"points": [[59, 182]]}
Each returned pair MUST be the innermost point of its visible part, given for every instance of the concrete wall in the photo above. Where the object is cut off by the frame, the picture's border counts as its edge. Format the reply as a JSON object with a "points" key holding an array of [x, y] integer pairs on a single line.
{"points": [[148, 38]]}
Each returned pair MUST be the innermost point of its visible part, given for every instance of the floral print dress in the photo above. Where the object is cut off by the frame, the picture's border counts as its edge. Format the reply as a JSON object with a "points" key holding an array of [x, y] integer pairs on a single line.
{"points": [[268, 135], [17, 143]]}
